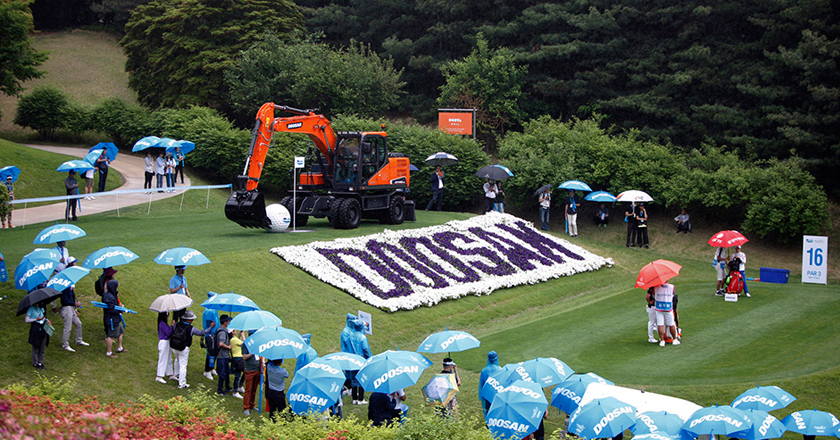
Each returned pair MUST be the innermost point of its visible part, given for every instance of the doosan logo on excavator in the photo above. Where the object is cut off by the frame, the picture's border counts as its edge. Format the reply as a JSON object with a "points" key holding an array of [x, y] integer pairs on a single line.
{"points": [[294, 125]]}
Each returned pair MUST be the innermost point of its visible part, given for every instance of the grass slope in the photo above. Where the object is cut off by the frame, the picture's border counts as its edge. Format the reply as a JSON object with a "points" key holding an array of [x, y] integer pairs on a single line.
{"points": [[38, 175], [786, 334], [89, 66]]}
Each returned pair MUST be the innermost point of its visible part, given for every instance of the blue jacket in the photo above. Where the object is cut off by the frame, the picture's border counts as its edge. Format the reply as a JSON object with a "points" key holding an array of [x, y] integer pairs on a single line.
{"points": [[492, 367], [358, 342], [347, 333], [307, 356]]}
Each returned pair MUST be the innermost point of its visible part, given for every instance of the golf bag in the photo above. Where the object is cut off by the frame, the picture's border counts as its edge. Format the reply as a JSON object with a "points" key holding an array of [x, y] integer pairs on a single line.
{"points": [[734, 281]]}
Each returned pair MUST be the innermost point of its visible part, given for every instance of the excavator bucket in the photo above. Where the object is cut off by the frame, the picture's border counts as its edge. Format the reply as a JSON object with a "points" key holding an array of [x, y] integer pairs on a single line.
{"points": [[248, 209]]}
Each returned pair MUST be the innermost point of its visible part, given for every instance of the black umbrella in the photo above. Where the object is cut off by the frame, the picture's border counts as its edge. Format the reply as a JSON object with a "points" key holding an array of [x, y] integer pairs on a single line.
{"points": [[542, 190], [39, 296], [494, 172]]}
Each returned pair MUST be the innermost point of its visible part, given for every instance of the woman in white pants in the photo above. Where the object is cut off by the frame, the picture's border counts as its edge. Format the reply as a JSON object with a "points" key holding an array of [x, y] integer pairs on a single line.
{"points": [[164, 364]]}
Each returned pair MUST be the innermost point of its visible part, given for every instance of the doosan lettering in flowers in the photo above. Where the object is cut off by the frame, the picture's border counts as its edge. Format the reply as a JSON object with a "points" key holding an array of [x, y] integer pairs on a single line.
{"points": [[769, 402], [393, 373], [111, 254], [280, 343], [716, 418], [306, 398], [610, 416]]}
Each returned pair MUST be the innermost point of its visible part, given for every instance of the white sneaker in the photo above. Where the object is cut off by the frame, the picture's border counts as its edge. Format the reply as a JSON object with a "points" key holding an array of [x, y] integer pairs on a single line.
{"points": [[186, 385], [247, 412], [362, 402], [676, 342], [355, 402], [662, 343], [652, 340], [208, 375], [214, 373], [82, 343], [160, 379], [237, 395], [241, 389], [748, 295], [69, 348]]}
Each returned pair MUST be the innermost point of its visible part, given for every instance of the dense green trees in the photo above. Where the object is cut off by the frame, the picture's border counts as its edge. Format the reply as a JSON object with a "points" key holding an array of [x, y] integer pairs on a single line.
{"points": [[45, 110], [178, 50], [307, 74], [18, 59]]}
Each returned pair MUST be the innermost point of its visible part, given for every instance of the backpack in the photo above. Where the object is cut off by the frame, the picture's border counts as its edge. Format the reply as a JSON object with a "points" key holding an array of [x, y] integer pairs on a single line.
{"points": [[212, 343], [181, 336], [99, 285]]}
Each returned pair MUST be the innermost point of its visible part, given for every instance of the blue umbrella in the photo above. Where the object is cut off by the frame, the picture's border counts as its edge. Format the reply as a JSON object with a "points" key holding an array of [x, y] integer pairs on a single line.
{"points": [[600, 196], [763, 398], [567, 394], [576, 185], [517, 410], [315, 387], [109, 256], [658, 422], [505, 376], [412, 167], [184, 146], [111, 150], [448, 341], [602, 418], [391, 371], [654, 436], [92, 156], [812, 422], [4, 276], [276, 343], [716, 420], [230, 302], [9, 170], [763, 426], [75, 164], [345, 361], [442, 159], [67, 277], [144, 143], [547, 371], [254, 320], [35, 268], [57, 232], [181, 256], [166, 143]]}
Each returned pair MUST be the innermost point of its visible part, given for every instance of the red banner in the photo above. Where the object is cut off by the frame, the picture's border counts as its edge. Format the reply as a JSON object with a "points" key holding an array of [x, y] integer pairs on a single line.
{"points": [[456, 123]]}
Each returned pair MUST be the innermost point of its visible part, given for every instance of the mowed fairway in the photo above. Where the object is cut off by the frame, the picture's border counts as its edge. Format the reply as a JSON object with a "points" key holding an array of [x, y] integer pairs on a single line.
{"points": [[785, 335]]}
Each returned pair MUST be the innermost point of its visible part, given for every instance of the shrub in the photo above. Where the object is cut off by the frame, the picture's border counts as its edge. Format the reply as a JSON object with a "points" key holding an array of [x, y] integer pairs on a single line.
{"points": [[124, 123], [59, 389], [44, 110]]}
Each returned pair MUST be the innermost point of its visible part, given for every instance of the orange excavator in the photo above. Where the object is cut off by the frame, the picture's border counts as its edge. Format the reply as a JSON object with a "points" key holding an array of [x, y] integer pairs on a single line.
{"points": [[348, 177]]}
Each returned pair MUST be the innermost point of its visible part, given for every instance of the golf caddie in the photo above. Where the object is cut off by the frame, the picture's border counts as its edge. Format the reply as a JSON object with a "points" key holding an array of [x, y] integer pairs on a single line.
{"points": [[664, 306]]}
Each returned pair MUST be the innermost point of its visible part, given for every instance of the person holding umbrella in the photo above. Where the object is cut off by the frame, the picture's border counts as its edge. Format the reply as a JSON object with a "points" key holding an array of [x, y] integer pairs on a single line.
{"points": [[545, 205], [571, 206], [500, 198], [630, 219], [489, 195], [6, 220], [451, 408], [72, 189], [664, 305], [160, 169], [275, 394], [102, 165], [112, 318], [149, 169], [38, 336], [719, 262], [486, 372], [179, 165], [70, 314], [437, 188], [642, 226]]}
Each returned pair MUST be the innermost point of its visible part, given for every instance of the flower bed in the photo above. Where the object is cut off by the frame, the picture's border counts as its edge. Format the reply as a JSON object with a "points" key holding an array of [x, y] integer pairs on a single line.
{"points": [[398, 270]]}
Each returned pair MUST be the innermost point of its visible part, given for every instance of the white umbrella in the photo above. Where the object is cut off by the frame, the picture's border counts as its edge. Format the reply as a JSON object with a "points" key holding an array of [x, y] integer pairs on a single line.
{"points": [[170, 302], [442, 159], [633, 195]]}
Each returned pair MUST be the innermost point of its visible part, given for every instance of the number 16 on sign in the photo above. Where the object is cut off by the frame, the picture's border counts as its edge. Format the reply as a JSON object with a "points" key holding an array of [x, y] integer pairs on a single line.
{"points": [[814, 259]]}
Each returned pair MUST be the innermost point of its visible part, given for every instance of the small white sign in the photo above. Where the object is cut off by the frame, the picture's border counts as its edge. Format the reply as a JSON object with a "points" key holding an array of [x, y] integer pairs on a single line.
{"points": [[299, 161], [366, 318], [730, 297], [814, 259]]}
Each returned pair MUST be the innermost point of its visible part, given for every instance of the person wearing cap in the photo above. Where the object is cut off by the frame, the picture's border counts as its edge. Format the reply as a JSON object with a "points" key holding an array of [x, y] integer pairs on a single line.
{"points": [[100, 283], [70, 314], [6, 220], [209, 318], [486, 372], [178, 284], [160, 170], [183, 356], [61, 248], [102, 165], [72, 189], [742, 268], [449, 367], [223, 358], [112, 319]]}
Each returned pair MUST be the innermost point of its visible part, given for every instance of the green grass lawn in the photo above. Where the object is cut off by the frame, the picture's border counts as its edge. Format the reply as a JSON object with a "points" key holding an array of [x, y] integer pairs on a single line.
{"points": [[89, 66], [38, 175], [786, 335]]}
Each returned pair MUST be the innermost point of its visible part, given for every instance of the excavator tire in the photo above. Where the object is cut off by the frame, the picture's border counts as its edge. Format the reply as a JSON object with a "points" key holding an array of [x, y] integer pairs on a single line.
{"points": [[351, 214], [335, 212], [300, 220], [395, 213]]}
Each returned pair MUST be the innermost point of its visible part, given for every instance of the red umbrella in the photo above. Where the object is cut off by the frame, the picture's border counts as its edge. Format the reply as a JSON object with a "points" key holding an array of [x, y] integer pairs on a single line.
{"points": [[657, 273], [727, 239]]}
